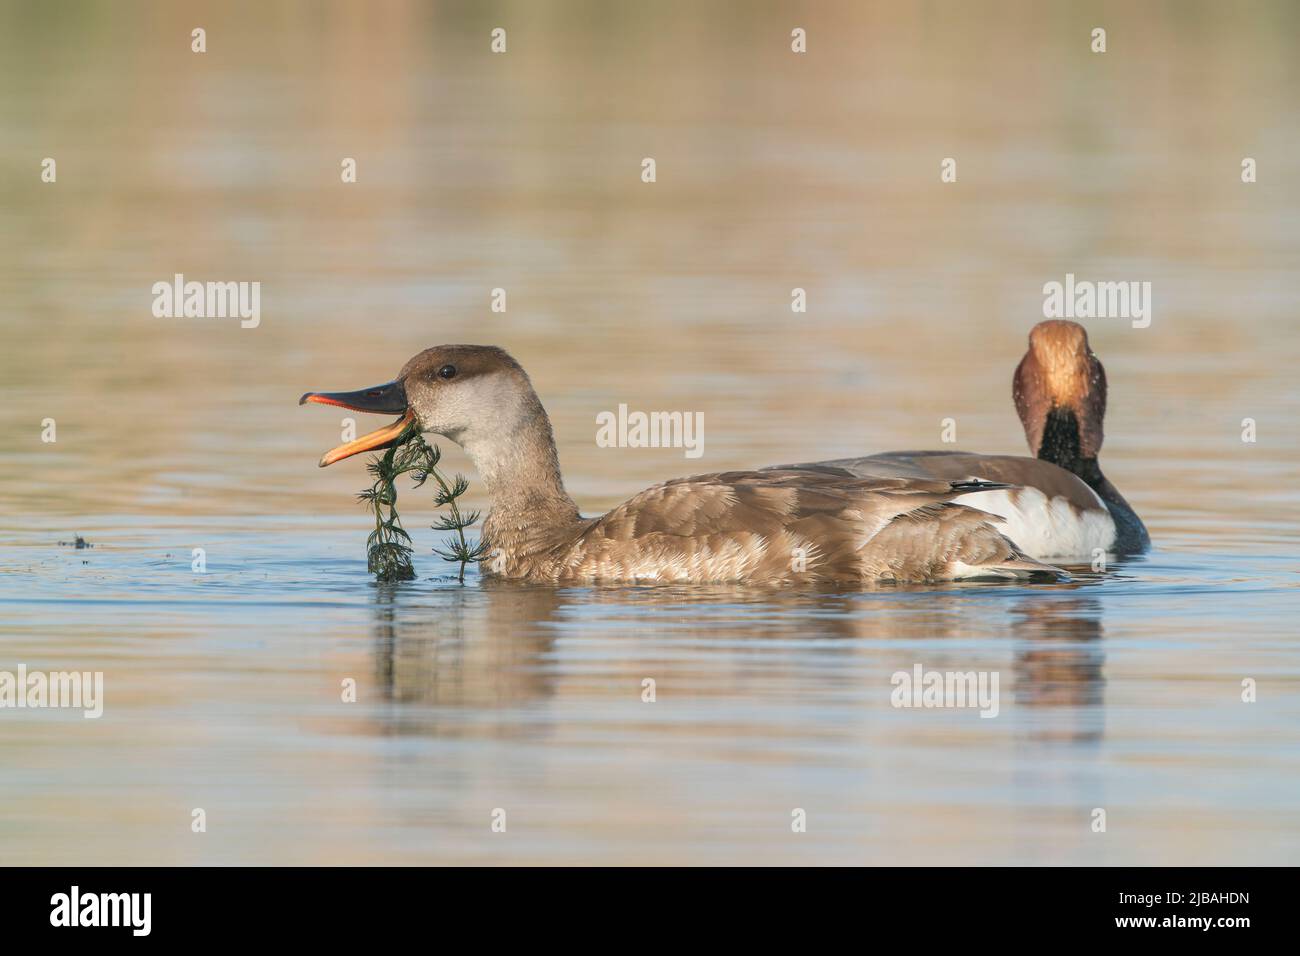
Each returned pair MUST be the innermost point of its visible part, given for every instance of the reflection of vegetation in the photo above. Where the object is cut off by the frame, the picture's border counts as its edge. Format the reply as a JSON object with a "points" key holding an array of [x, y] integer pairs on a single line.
{"points": [[388, 549]]}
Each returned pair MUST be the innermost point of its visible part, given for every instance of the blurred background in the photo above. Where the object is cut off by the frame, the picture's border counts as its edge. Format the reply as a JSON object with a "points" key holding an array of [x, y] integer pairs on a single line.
{"points": [[522, 171]]}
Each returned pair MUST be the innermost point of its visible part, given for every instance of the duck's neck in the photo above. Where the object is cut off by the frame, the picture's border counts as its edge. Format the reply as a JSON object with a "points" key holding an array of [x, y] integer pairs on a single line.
{"points": [[1062, 447], [530, 509]]}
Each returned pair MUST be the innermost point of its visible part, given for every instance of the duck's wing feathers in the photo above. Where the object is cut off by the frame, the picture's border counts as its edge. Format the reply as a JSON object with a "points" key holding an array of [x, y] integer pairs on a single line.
{"points": [[778, 526], [1051, 513], [1052, 480]]}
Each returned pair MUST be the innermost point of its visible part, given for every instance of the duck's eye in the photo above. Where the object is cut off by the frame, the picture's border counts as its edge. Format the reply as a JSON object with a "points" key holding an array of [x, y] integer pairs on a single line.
{"points": [[447, 371]]}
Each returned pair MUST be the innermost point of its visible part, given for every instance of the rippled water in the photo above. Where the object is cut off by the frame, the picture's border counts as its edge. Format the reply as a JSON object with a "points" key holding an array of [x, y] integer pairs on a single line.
{"points": [[1119, 690]]}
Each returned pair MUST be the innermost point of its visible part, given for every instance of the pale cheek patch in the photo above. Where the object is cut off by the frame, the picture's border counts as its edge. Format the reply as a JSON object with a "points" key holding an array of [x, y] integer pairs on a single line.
{"points": [[1046, 529], [475, 409]]}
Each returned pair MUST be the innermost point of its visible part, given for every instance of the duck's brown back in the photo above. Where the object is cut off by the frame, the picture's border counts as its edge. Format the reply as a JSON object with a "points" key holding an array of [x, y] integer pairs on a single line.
{"points": [[775, 527]]}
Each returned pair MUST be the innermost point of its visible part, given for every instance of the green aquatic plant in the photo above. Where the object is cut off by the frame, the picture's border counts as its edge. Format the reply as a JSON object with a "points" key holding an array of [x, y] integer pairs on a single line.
{"points": [[458, 549], [388, 548]]}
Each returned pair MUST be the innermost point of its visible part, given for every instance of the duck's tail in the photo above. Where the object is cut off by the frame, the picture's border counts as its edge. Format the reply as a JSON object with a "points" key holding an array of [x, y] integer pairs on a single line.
{"points": [[950, 542]]}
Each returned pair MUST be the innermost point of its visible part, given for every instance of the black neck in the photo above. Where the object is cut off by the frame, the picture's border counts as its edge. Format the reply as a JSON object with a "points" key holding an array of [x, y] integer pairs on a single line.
{"points": [[1061, 446]]}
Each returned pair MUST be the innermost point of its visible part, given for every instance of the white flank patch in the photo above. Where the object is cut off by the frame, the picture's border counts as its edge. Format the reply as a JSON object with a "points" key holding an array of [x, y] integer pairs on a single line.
{"points": [[1046, 529], [960, 570]]}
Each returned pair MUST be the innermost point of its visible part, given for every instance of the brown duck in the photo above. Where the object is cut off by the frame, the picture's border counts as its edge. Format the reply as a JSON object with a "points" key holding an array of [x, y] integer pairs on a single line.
{"points": [[1059, 505], [771, 527]]}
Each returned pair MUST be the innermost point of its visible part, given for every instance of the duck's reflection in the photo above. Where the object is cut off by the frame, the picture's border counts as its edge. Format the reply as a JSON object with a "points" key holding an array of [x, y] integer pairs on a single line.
{"points": [[463, 646], [492, 647], [1059, 667]]}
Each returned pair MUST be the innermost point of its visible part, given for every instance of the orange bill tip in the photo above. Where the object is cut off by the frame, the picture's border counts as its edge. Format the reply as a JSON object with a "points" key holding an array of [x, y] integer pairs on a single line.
{"points": [[379, 438]]}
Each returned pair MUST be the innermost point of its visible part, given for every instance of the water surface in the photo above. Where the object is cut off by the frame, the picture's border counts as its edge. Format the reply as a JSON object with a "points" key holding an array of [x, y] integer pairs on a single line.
{"points": [[1120, 690]]}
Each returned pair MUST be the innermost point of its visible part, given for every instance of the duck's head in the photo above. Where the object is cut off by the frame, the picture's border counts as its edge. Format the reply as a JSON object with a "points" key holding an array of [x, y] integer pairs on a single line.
{"points": [[464, 392], [1060, 394]]}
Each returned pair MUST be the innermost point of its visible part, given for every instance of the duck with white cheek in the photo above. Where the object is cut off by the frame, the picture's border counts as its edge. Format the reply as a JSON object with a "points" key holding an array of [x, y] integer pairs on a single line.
{"points": [[793, 528]]}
